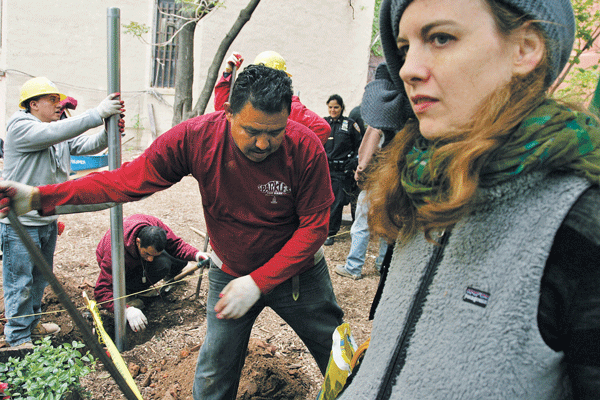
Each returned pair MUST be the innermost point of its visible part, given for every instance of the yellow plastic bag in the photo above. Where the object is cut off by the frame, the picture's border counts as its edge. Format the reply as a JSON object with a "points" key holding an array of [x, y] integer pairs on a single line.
{"points": [[340, 364]]}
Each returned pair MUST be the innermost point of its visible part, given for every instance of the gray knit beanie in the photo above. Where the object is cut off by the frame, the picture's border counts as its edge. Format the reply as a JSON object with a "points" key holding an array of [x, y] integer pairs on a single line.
{"points": [[555, 17]]}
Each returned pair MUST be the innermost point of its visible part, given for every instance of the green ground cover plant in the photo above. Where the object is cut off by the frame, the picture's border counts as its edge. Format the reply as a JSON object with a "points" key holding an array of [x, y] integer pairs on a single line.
{"points": [[48, 373]]}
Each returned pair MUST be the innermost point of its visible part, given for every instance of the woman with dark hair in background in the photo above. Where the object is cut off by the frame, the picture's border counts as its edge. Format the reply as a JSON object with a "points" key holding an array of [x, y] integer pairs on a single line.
{"points": [[342, 150]]}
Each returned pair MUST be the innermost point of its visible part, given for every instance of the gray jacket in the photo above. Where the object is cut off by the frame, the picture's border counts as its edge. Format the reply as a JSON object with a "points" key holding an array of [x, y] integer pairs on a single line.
{"points": [[39, 153], [460, 321]]}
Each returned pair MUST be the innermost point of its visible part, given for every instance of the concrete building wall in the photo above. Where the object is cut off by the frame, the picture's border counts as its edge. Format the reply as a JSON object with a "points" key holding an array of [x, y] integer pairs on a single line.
{"points": [[325, 44]]}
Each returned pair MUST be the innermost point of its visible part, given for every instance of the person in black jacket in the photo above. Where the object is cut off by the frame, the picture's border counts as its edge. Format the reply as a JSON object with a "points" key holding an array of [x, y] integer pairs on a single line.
{"points": [[342, 149], [355, 191], [356, 116]]}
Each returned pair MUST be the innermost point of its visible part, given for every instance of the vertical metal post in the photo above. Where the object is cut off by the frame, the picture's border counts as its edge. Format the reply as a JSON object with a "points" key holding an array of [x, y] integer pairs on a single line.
{"points": [[114, 162]]}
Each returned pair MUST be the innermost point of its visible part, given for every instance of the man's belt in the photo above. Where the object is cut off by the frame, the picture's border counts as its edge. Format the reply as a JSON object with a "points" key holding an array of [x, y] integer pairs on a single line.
{"points": [[317, 257]]}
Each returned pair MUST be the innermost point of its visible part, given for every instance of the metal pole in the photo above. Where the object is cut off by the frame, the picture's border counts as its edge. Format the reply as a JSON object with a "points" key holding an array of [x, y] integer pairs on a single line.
{"points": [[114, 162], [88, 337]]}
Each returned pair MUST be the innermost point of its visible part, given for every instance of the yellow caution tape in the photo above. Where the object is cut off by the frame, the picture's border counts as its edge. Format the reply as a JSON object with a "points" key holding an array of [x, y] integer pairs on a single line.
{"points": [[112, 349]]}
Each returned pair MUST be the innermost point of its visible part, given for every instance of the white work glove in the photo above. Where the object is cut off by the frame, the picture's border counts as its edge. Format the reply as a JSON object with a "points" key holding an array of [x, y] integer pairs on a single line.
{"points": [[236, 299], [110, 106], [201, 256], [234, 60], [17, 196], [136, 318]]}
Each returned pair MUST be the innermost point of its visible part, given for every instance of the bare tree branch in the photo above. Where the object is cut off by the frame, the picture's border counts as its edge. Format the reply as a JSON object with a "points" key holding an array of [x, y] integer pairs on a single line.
{"points": [[213, 71], [194, 18], [588, 45]]}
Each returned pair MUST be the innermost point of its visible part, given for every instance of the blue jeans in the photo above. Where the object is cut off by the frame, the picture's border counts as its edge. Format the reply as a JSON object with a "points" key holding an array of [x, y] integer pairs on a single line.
{"points": [[314, 317], [23, 284], [360, 238]]}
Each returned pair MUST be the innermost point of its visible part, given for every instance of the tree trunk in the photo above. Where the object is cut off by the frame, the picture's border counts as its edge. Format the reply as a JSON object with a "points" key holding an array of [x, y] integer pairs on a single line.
{"points": [[213, 71], [184, 75]]}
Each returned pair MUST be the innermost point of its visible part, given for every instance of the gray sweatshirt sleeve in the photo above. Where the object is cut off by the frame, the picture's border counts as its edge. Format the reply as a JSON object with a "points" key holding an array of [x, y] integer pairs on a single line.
{"points": [[88, 144], [30, 134]]}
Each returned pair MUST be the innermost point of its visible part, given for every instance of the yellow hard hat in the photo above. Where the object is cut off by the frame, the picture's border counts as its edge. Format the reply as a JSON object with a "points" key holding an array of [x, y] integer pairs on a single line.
{"points": [[36, 87], [271, 59]]}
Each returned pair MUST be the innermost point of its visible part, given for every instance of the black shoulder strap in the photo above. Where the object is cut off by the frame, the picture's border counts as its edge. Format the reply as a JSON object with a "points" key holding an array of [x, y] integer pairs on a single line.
{"points": [[385, 266]]}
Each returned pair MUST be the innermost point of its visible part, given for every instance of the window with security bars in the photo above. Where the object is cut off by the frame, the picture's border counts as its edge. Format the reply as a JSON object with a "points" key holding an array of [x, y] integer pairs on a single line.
{"points": [[165, 55]]}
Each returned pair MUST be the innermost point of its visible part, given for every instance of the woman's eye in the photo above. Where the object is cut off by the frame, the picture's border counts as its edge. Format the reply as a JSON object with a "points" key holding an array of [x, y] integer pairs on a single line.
{"points": [[441, 39]]}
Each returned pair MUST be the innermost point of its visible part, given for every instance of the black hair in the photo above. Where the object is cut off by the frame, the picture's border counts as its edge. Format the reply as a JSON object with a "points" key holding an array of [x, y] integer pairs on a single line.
{"points": [[268, 90], [27, 103], [339, 100], [154, 236]]}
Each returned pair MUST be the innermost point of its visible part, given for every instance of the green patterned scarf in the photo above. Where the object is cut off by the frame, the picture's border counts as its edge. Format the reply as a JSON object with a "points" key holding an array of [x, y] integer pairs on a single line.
{"points": [[552, 137]]}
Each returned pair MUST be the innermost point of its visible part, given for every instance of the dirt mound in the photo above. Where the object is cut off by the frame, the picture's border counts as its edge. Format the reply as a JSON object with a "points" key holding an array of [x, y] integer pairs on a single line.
{"points": [[266, 377]]}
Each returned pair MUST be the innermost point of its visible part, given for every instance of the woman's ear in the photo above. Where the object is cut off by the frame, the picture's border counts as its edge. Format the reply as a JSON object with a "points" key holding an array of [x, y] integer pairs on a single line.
{"points": [[529, 49]]}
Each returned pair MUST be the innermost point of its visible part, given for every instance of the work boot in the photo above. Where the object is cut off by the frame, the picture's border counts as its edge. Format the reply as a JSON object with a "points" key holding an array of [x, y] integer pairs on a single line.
{"points": [[41, 330], [341, 270], [137, 303]]}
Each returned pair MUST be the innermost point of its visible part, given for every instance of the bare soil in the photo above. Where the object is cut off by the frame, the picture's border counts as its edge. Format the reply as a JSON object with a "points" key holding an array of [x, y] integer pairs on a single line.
{"points": [[163, 357]]}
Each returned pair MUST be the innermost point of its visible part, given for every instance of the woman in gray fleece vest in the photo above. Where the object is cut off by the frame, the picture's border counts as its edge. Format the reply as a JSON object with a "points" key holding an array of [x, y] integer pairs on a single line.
{"points": [[490, 191]]}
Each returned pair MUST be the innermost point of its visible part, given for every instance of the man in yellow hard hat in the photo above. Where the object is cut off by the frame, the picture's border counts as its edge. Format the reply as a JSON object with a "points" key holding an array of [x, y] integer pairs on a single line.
{"points": [[35, 88], [38, 150], [274, 60]]}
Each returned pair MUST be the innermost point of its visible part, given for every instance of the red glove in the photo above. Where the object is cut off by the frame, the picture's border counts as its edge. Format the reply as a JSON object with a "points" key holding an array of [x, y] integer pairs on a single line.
{"points": [[120, 124], [69, 103], [234, 60], [61, 227]]}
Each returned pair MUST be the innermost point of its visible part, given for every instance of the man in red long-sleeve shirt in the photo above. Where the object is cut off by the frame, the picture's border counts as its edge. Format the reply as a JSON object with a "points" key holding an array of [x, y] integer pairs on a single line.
{"points": [[299, 112], [152, 252], [266, 193]]}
